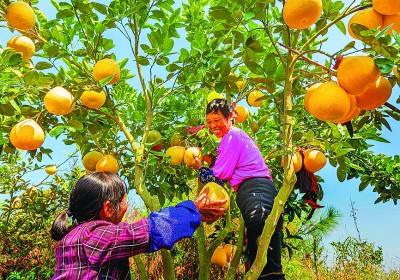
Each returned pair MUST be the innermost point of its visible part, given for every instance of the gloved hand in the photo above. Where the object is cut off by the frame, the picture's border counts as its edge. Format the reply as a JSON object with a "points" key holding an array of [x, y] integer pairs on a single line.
{"points": [[210, 210]]}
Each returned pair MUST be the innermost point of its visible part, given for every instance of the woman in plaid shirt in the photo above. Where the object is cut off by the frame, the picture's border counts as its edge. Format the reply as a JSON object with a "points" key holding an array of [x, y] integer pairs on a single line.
{"points": [[97, 245]]}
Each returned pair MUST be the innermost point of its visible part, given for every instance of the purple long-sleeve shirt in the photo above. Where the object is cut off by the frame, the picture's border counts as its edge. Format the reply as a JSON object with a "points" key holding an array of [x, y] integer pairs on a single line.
{"points": [[101, 250], [239, 158]]}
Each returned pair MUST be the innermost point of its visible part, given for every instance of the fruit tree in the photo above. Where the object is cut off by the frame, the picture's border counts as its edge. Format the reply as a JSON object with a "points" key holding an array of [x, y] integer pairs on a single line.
{"points": [[150, 65]]}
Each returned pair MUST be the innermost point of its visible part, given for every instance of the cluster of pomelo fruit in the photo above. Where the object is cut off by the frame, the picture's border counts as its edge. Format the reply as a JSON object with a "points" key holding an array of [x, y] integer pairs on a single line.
{"points": [[27, 134], [360, 87], [97, 161], [313, 160], [223, 254], [382, 14]]}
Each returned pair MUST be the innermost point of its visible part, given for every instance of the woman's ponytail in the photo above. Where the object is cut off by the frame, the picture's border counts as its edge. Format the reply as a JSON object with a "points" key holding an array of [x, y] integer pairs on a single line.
{"points": [[60, 226]]}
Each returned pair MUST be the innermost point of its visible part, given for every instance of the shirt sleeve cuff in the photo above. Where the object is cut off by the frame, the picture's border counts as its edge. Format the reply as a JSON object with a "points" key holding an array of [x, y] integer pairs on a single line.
{"points": [[171, 224], [206, 175]]}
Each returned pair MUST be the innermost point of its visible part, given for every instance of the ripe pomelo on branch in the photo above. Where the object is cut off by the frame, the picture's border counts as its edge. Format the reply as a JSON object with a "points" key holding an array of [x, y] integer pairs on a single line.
{"points": [[107, 67], [308, 94], [367, 17], [355, 72], [189, 156], [230, 250], [391, 19], [153, 136], [27, 135], [176, 153], [20, 15], [90, 160], [329, 102], [253, 98], [176, 140], [295, 159], [93, 99], [59, 101], [375, 94], [314, 160], [24, 45], [386, 7], [107, 163], [219, 257], [353, 112], [242, 113], [300, 14], [51, 169]]}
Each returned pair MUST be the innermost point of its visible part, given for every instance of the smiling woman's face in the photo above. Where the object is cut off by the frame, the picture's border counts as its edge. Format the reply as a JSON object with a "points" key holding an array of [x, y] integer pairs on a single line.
{"points": [[218, 124]]}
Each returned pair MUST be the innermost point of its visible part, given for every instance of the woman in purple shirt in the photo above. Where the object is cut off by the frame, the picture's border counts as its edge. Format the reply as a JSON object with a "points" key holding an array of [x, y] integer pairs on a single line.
{"points": [[240, 162], [98, 245]]}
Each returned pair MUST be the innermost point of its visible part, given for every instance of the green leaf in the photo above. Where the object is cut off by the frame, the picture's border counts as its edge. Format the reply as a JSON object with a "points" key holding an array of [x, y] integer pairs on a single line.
{"points": [[362, 186], [76, 124], [341, 173], [143, 60], [106, 80], [220, 13], [43, 65], [385, 65], [269, 64], [7, 109], [56, 131], [168, 45], [341, 27]]}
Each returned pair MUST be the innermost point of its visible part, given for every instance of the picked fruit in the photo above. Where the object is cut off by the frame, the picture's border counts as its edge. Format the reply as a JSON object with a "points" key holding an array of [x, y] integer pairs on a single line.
{"points": [[217, 192]]}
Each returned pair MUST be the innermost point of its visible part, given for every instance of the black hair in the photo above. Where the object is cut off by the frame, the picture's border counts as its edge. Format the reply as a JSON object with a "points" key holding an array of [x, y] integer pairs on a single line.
{"points": [[221, 105], [86, 199]]}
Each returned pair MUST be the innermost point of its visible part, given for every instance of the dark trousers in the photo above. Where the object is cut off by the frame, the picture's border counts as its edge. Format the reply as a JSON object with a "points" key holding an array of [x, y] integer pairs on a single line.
{"points": [[255, 199]]}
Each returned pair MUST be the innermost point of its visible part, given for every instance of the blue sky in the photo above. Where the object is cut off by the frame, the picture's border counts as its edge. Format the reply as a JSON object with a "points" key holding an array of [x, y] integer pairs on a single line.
{"points": [[377, 223]]}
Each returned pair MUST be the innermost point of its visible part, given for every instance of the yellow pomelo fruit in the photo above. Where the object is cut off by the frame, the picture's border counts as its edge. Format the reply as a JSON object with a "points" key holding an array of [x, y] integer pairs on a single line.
{"points": [[23, 45], [367, 17], [300, 14], [90, 160], [107, 163], [329, 102], [307, 95], [391, 19], [242, 113], [314, 160], [176, 140], [241, 84], [188, 156], [153, 136], [355, 72], [214, 95], [229, 251], [386, 7], [176, 153], [20, 15], [353, 112], [93, 99], [253, 98], [296, 160], [375, 94], [217, 192], [51, 169], [219, 257], [27, 135], [59, 101], [106, 67]]}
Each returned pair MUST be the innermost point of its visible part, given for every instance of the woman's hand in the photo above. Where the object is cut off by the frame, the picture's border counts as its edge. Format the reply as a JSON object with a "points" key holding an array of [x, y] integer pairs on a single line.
{"points": [[198, 164], [210, 210]]}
